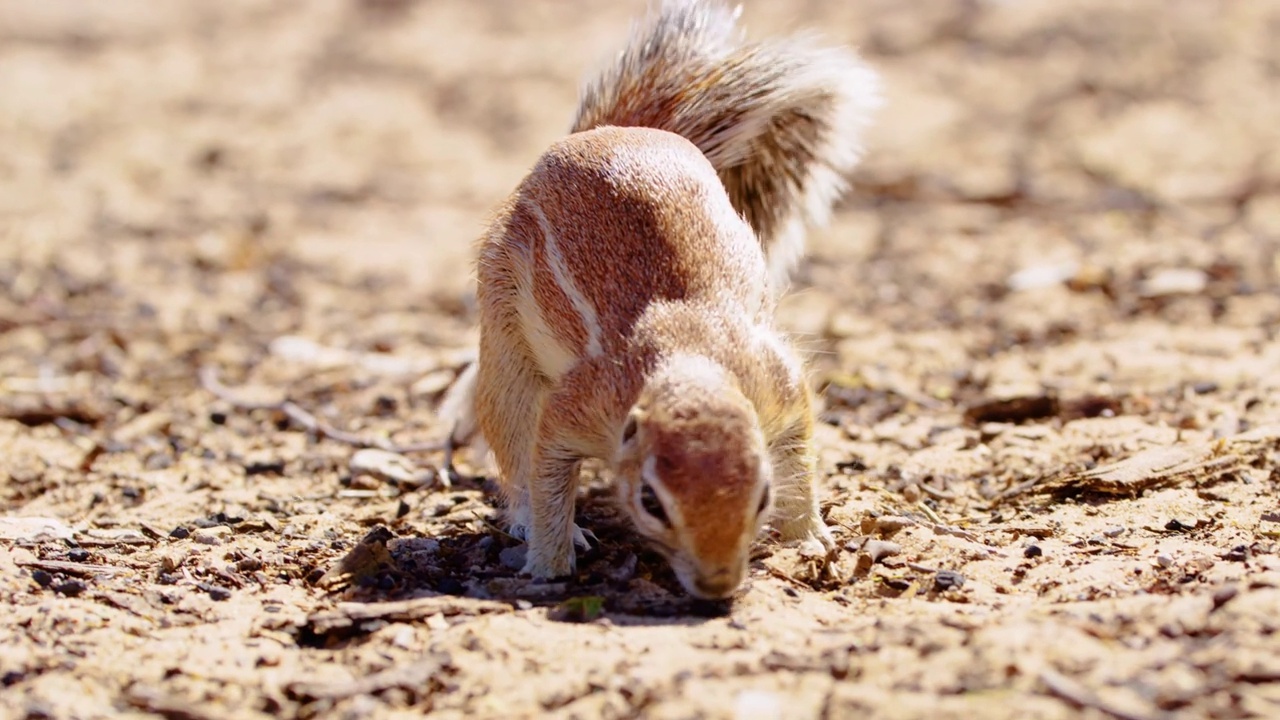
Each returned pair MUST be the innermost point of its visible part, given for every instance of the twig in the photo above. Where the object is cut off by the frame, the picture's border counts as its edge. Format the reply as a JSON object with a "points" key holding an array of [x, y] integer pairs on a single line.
{"points": [[935, 492], [485, 521], [305, 419], [929, 513], [784, 576], [74, 568]]}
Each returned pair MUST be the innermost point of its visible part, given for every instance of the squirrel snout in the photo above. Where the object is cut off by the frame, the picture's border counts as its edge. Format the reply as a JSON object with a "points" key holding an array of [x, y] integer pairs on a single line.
{"points": [[718, 584]]}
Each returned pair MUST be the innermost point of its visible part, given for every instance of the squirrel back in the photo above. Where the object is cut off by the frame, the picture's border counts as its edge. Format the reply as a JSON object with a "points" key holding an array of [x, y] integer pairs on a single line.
{"points": [[781, 119]]}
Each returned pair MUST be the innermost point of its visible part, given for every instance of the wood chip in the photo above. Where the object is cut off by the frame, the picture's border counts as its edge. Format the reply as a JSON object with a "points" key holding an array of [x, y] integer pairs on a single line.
{"points": [[352, 613], [1200, 464], [73, 568]]}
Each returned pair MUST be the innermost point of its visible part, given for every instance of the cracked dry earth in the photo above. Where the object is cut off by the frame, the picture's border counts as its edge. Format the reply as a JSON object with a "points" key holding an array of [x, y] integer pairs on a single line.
{"points": [[1043, 327]]}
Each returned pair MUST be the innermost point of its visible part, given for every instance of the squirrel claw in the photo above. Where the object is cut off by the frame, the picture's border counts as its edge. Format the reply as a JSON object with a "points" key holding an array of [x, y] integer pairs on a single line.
{"points": [[813, 538], [584, 540]]}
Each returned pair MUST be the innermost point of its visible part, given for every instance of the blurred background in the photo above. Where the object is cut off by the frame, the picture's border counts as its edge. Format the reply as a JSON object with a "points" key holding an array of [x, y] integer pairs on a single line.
{"points": [[212, 175]]}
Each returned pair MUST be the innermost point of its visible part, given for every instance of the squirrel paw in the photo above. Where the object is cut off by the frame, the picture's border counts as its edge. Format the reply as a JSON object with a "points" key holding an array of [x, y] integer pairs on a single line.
{"points": [[582, 539], [817, 545], [811, 535], [543, 563], [549, 568]]}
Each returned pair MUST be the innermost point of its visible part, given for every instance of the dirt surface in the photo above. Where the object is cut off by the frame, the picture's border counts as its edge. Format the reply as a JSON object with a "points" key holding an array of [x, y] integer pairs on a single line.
{"points": [[1043, 325]]}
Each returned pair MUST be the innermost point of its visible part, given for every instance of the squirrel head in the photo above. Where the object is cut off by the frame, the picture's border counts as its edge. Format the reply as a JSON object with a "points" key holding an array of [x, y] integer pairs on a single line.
{"points": [[694, 474]]}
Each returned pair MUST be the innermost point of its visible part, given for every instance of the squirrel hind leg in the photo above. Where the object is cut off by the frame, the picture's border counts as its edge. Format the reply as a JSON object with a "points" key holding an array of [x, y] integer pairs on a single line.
{"points": [[508, 395]]}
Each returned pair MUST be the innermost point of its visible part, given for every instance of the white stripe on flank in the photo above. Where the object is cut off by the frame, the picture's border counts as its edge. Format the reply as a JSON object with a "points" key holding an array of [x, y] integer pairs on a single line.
{"points": [[579, 301]]}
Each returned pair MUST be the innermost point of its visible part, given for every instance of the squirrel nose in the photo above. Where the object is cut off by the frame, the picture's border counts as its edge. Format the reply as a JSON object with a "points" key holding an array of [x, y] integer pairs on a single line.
{"points": [[717, 585]]}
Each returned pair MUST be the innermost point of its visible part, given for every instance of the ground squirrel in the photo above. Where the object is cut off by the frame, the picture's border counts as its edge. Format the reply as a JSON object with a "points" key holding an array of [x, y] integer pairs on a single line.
{"points": [[626, 292]]}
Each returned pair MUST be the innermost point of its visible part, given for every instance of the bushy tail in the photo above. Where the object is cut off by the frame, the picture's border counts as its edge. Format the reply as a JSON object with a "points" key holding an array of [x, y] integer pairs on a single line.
{"points": [[780, 119]]}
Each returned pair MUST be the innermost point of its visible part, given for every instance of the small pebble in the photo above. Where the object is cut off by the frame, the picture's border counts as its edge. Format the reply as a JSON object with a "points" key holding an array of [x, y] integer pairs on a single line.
{"points": [[389, 467], [890, 524], [211, 536], [1174, 281], [264, 467], [180, 533], [1032, 551], [1224, 595], [863, 564], [269, 656], [70, 588], [1239, 553], [404, 637], [42, 578], [1114, 531], [948, 580], [78, 555], [217, 593], [881, 549], [364, 482], [1164, 561], [512, 558]]}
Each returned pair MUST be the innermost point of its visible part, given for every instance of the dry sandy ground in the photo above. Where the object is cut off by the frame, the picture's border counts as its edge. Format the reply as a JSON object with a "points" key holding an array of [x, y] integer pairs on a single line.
{"points": [[1062, 253]]}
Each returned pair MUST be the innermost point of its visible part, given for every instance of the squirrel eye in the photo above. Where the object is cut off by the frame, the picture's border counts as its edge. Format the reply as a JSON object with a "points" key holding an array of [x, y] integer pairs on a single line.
{"points": [[764, 500], [652, 505], [629, 430]]}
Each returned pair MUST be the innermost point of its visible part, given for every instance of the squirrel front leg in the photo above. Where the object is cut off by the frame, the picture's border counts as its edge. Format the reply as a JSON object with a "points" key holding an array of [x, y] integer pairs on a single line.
{"points": [[552, 534], [796, 515], [563, 441]]}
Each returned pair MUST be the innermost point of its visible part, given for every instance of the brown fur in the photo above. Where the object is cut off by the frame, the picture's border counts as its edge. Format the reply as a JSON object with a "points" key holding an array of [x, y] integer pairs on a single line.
{"points": [[626, 293], [619, 283], [781, 120]]}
